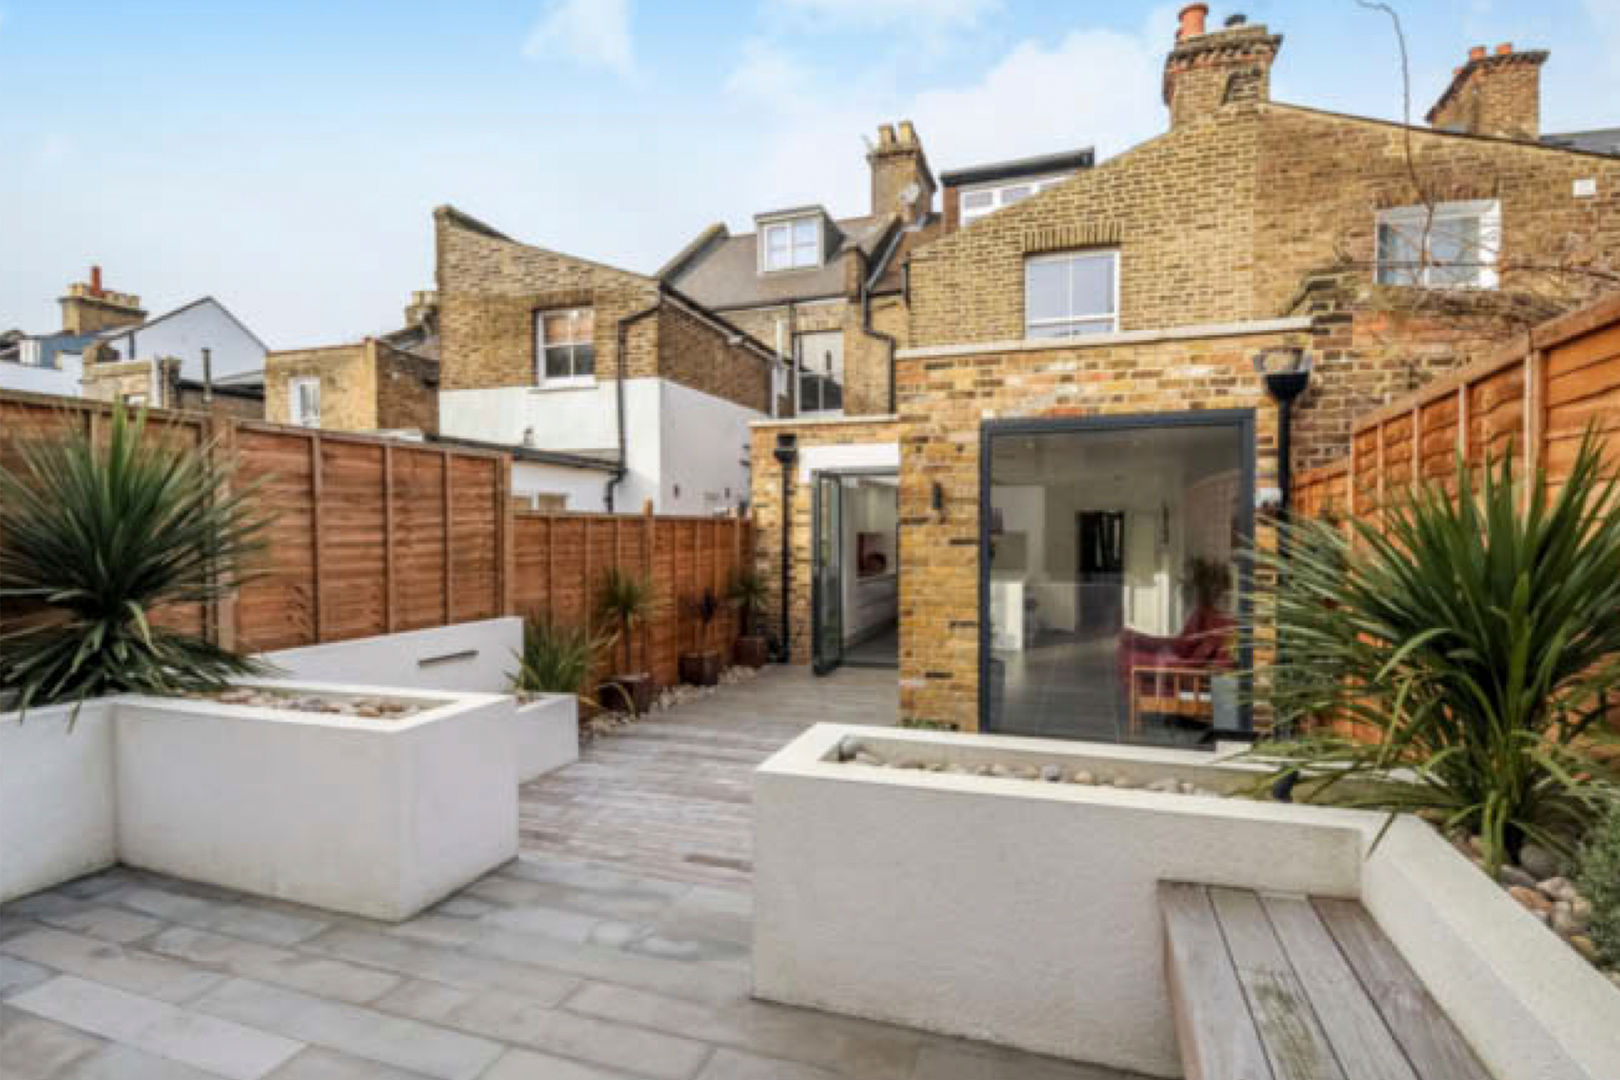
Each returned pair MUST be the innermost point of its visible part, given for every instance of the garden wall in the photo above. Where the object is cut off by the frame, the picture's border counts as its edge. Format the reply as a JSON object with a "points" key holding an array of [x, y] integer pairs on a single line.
{"points": [[1535, 398]]}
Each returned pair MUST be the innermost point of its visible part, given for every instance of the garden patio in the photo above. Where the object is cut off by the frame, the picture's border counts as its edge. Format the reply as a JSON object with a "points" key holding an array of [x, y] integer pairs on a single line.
{"points": [[615, 946]]}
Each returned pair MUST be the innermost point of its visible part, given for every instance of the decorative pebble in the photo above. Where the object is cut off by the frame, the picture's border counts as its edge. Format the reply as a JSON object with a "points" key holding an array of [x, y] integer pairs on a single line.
{"points": [[1515, 875], [1084, 777], [864, 758], [848, 747], [1558, 888], [1168, 786], [1531, 899], [1538, 861], [265, 697], [1124, 782], [1584, 945], [1051, 773]]}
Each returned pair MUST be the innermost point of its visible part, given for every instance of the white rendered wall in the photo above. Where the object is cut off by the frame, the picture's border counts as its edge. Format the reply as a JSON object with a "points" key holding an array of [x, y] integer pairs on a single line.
{"points": [[63, 381], [57, 810], [206, 325], [583, 488], [477, 657], [674, 436], [378, 818], [547, 735], [705, 451]]}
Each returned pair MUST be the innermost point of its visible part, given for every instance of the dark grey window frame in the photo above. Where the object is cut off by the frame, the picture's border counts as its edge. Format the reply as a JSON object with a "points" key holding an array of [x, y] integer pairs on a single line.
{"points": [[1241, 419]]}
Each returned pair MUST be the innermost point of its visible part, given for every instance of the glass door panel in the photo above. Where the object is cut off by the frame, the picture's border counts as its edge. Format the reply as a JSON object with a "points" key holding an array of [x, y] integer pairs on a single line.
{"points": [[827, 593]]}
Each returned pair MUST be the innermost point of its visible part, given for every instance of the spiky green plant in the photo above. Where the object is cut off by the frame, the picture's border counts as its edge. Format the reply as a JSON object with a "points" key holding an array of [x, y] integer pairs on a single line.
{"points": [[748, 592], [626, 600], [1599, 876], [104, 533], [1478, 636], [557, 658]]}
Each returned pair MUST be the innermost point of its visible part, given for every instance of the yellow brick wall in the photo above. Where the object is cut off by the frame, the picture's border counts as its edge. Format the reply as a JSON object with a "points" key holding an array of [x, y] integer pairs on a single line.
{"points": [[407, 391], [348, 385]]}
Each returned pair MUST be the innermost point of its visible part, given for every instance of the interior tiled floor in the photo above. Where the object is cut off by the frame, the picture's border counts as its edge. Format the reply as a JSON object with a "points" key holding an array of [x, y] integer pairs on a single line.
{"points": [[616, 946], [880, 650], [1066, 686]]}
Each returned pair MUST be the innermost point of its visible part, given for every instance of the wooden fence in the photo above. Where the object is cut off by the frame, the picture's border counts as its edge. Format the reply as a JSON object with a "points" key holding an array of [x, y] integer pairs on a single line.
{"points": [[373, 535], [559, 561], [1535, 398]]}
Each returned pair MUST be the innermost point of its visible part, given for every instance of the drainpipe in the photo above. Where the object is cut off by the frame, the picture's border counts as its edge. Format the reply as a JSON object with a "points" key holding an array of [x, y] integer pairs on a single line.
{"points": [[1287, 372], [620, 468], [787, 452]]}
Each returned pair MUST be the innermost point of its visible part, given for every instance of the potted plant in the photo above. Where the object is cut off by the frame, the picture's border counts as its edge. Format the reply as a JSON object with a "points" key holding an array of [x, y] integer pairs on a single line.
{"points": [[625, 600], [748, 593], [701, 667], [557, 658]]}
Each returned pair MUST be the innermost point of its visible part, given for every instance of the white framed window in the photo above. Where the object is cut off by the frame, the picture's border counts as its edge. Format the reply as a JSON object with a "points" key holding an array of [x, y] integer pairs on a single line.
{"points": [[304, 401], [790, 245], [1071, 293], [1452, 246], [135, 401], [565, 347], [820, 359], [985, 199]]}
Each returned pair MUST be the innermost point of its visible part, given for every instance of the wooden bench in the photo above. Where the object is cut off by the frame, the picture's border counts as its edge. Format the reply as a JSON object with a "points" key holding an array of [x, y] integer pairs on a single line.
{"points": [[1268, 987]]}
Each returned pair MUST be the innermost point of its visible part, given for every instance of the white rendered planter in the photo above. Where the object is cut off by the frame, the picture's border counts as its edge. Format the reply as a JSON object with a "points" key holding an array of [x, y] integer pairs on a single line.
{"points": [[1025, 912], [547, 733], [476, 657], [57, 812], [374, 817]]}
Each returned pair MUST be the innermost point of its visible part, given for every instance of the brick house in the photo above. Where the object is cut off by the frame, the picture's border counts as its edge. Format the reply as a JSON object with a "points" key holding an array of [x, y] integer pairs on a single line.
{"points": [[388, 383], [615, 388], [1087, 430]]}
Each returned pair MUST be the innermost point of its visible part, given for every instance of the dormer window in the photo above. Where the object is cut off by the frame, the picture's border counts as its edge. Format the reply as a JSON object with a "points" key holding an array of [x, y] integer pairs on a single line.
{"points": [[794, 244]]}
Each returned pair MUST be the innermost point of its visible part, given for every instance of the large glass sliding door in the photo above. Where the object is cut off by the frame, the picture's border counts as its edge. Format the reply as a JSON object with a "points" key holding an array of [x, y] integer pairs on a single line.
{"points": [[1112, 585], [828, 569]]}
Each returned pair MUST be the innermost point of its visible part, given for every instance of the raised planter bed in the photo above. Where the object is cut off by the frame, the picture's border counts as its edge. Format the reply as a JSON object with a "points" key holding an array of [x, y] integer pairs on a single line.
{"points": [[547, 734], [58, 819], [374, 816], [1024, 912]]}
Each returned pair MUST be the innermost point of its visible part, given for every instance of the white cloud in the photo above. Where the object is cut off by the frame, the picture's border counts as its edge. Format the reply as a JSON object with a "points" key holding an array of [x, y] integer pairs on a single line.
{"points": [[882, 12], [592, 33], [1090, 88]]}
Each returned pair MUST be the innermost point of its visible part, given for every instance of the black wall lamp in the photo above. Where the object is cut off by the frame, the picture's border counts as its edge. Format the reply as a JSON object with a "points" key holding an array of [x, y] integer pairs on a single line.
{"points": [[787, 453], [936, 499], [1286, 373]]}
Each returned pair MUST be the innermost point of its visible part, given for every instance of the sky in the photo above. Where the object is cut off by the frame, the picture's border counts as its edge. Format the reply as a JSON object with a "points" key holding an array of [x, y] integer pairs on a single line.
{"points": [[285, 157]]}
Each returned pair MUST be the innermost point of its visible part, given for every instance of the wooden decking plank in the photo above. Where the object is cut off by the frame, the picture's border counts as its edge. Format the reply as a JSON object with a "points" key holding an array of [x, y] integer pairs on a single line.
{"points": [[1217, 1033], [1352, 1022], [1290, 1032], [1433, 1045]]}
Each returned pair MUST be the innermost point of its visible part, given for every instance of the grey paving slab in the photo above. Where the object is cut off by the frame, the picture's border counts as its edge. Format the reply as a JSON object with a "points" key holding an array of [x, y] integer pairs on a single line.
{"points": [[737, 1065], [18, 975], [243, 920], [232, 1050], [119, 1062], [318, 975], [33, 1048], [131, 969], [438, 963], [317, 1063], [86, 917], [528, 1065], [352, 1029], [952, 1059], [854, 1048], [424, 1000], [600, 1042], [93, 885]]}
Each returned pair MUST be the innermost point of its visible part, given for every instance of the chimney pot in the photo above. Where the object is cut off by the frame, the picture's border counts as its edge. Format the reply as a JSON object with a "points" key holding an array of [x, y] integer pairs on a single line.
{"points": [[885, 135], [1505, 49], [95, 280], [1192, 21], [1476, 53], [908, 134]]}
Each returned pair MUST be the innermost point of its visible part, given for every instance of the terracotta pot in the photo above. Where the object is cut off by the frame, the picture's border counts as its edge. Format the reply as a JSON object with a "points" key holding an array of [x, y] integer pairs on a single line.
{"points": [[632, 693], [753, 651], [700, 669]]}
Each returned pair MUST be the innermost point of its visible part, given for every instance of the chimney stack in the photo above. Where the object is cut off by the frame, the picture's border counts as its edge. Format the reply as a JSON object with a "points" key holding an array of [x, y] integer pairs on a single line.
{"points": [[902, 182], [1493, 94], [89, 308], [1210, 68]]}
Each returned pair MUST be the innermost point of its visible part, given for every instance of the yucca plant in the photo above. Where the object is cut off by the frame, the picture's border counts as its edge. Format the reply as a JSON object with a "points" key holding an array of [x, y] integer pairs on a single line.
{"points": [[102, 534], [557, 658], [1477, 636], [624, 599], [748, 592]]}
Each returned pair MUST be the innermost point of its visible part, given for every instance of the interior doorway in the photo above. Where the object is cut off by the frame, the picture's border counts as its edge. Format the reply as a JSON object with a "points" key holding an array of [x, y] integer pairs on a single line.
{"points": [[855, 596], [1112, 582]]}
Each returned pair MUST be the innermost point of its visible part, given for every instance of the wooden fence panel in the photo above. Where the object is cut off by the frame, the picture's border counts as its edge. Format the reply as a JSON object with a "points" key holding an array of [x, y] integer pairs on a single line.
{"points": [[276, 610]]}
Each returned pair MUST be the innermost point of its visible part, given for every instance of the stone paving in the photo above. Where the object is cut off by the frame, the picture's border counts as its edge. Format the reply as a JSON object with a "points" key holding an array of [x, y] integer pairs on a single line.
{"points": [[600, 953]]}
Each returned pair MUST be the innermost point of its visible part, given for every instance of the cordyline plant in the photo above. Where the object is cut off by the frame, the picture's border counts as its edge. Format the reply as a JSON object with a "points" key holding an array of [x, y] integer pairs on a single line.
{"points": [[102, 534], [1478, 637], [557, 657]]}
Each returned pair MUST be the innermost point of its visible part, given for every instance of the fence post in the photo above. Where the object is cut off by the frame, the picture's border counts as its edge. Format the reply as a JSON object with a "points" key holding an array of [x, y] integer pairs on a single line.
{"points": [[388, 537], [317, 499], [1535, 423], [444, 491]]}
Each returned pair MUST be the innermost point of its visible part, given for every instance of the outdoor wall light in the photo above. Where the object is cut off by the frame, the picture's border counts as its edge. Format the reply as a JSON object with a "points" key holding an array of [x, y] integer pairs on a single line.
{"points": [[787, 449], [936, 498]]}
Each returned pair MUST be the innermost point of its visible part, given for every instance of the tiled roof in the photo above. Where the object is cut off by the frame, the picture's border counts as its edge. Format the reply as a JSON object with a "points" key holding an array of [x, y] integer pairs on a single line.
{"points": [[725, 272], [1601, 141]]}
